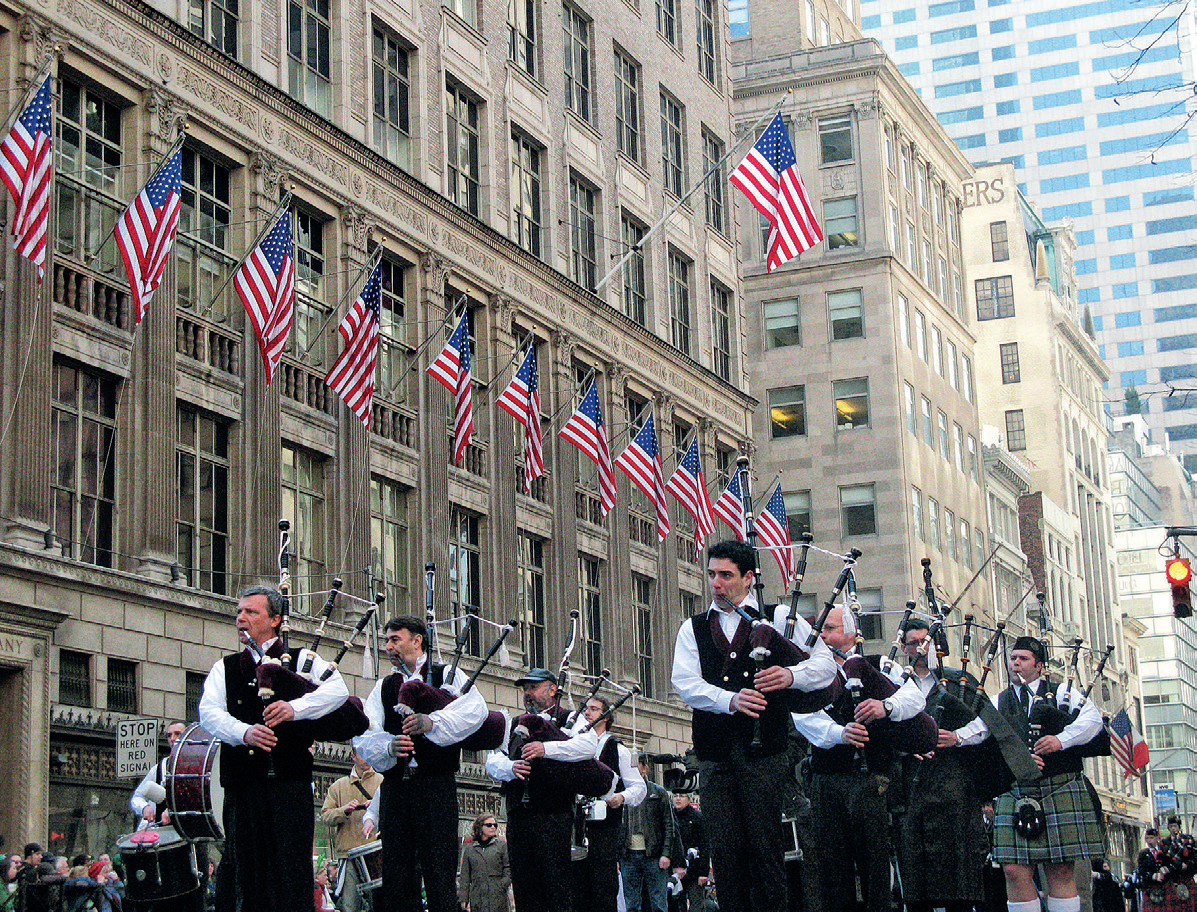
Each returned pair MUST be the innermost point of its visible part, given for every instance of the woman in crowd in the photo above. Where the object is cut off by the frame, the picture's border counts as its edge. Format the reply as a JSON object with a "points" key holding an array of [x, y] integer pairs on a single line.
{"points": [[485, 871]]}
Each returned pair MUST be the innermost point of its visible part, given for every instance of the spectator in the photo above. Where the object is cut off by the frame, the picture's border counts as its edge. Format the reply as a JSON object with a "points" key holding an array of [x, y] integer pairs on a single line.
{"points": [[485, 871], [1107, 896], [8, 884]]}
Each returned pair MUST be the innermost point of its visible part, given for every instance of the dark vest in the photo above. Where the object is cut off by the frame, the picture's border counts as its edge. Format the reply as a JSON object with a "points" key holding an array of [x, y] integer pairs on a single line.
{"points": [[431, 759], [715, 734], [840, 759], [1053, 721], [240, 764], [610, 756], [543, 796]]}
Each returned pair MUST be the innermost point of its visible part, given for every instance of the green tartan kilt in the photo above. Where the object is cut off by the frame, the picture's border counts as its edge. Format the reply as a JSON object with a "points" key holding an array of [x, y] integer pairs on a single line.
{"points": [[1072, 830]]}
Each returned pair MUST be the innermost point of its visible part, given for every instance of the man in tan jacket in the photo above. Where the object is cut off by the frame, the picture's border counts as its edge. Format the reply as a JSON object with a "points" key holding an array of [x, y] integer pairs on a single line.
{"points": [[344, 806]]}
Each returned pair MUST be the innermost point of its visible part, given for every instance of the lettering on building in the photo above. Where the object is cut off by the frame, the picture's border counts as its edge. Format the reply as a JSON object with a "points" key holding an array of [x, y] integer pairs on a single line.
{"points": [[983, 192]]}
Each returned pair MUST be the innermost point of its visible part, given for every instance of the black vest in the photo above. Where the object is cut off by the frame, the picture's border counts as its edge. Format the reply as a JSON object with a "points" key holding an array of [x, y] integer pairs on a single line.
{"points": [[841, 757], [431, 759], [1053, 721], [715, 734], [290, 759], [610, 756], [544, 796]]}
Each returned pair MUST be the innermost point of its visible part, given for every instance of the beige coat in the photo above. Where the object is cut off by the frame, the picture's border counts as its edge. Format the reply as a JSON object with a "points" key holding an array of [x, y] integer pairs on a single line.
{"points": [[348, 827]]}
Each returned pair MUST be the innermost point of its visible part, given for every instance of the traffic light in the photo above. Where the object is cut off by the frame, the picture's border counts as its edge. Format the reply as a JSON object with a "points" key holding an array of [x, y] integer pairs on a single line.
{"points": [[1179, 575]]}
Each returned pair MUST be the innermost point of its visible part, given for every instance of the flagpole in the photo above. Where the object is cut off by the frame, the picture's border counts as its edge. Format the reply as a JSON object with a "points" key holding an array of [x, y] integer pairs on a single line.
{"points": [[450, 320], [274, 215], [639, 245], [369, 267], [31, 90], [88, 257]]}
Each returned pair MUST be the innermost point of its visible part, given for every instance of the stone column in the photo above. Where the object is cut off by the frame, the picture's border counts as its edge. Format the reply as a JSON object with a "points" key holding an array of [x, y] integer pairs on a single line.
{"points": [[430, 534], [506, 465], [619, 625], [561, 565]]}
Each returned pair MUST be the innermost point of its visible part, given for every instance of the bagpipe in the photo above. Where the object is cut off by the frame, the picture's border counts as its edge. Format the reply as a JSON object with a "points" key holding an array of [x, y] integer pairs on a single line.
{"points": [[281, 679], [1049, 717], [1173, 859]]}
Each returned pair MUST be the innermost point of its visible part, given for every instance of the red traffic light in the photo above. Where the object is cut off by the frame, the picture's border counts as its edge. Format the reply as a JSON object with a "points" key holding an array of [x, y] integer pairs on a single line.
{"points": [[1178, 570]]}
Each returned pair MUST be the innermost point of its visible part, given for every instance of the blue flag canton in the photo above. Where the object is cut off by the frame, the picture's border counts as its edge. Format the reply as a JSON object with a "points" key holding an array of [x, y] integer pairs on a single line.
{"points": [[36, 117], [461, 341], [589, 406], [276, 246], [777, 506], [372, 294], [690, 460], [775, 146], [166, 182], [1121, 724], [528, 369], [647, 438]]}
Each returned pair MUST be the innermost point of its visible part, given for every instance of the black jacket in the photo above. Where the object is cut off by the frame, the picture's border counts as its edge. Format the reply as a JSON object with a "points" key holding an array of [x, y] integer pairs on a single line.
{"points": [[653, 817]]}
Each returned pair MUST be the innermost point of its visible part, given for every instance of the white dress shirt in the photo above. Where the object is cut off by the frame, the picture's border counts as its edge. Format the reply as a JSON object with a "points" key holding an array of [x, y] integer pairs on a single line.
{"points": [[634, 788], [579, 747], [974, 732], [456, 721], [1087, 725], [216, 719], [817, 671], [822, 731], [138, 802]]}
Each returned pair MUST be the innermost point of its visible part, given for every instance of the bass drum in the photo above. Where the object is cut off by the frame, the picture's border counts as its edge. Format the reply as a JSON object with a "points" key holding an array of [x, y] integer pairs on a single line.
{"points": [[159, 864], [193, 789]]}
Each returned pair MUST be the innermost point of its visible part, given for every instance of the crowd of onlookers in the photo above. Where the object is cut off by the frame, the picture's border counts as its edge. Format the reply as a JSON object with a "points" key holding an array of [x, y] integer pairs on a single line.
{"points": [[38, 881]]}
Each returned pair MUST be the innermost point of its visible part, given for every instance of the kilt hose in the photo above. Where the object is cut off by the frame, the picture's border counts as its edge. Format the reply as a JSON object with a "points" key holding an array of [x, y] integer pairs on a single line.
{"points": [[1072, 829], [1166, 897]]}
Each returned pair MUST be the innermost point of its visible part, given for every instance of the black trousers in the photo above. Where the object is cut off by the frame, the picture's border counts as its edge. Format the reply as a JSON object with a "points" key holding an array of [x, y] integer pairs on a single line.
{"points": [[852, 814], [741, 815], [418, 821], [596, 877], [538, 847], [268, 833]]}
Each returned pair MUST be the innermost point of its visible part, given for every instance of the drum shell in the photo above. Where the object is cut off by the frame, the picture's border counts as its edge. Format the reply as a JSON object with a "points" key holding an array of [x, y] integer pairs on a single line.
{"points": [[367, 863], [161, 870], [193, 790]]}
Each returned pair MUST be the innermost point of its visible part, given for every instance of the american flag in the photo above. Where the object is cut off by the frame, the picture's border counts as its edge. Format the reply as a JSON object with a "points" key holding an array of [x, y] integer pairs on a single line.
{"points": [[769, 177], [641, 462], [730, 506], [146, 231], [773, 530], [688, 486], [586, 431], [26, 159], [452, 369], [265, 282], [352, 375], [1127, 745], [521, 400]]}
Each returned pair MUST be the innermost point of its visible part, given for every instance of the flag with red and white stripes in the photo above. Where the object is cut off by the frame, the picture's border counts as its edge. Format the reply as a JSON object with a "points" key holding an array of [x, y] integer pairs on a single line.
{"points": [[26, 163], [769, 177], [146, 231], [521, 400], [452, 369], [773, 533], [688, 485], [730, 506], [1127, 745], [586, 431], [641, 462], [352, 375], [265, 282]]}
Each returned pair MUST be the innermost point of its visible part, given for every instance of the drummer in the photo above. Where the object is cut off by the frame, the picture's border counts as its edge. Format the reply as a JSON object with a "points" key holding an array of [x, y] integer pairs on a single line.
{"points": [[141, 804], [344, 806]]}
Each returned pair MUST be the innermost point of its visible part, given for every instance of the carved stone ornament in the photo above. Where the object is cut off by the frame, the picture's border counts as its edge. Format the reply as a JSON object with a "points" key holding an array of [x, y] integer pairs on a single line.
{"points": [[46, 39], [867, 109], [168, 115], [801, 122], [565, 345], [436, 270], [836, 179], [617, 374], [356, 225], [502, 307], [269, 171]]}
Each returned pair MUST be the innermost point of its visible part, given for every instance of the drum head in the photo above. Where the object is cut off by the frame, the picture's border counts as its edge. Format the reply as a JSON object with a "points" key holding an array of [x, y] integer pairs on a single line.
{"points": [[167, 836]]}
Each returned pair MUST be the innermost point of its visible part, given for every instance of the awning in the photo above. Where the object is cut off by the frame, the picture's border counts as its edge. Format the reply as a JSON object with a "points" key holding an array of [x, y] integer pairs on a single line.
{"points": [[1128, 821]]}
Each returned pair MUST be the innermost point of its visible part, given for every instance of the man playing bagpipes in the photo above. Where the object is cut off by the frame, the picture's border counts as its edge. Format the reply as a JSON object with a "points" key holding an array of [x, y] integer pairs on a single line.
{"points": [[852, 761], [741, 734], [542, 769], [1166, 869], [1050, 821], [418, 754]]}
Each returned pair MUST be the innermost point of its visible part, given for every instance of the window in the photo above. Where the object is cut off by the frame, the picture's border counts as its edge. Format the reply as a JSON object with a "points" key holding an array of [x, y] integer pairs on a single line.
{"points": [[590, 599], [215, 21], [642, 595], [787, 411], [532, 601], [966, 551], [872, 623], [847, 321], [388, 538], [202, 471], [679, 302], [928, 423], [858, 510], [672, 150], [835, 139], [392, 89], [704, 16], [634, 294], [851, 403], [122, 686], [83, 469], [466, 9], [1016, 431], [193, 689], [521, 34], [311, 315], [966, 377], [74, 678], [88, 161], [526, 218], [583, 204], [972, 457], [461, 141], [904, 320], [465, 569], [937, 350], [942, 425], [916, 513], [577, 63], [627, 106], [720, 330], [912, 423], [953, 365], [782, 323], [797, 512], [932, 522], [712, 155], [309, 55], [920, 334], [995, 298], [392, 330], [303, 503], [737, 18], [958, 447], [667, 20], [203, 232], [839, 223], [1009, 356]]}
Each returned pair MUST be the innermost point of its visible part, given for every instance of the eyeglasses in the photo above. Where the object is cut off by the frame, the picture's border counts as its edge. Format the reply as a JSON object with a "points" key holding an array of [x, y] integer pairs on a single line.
{"points": [[490, 824]]}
